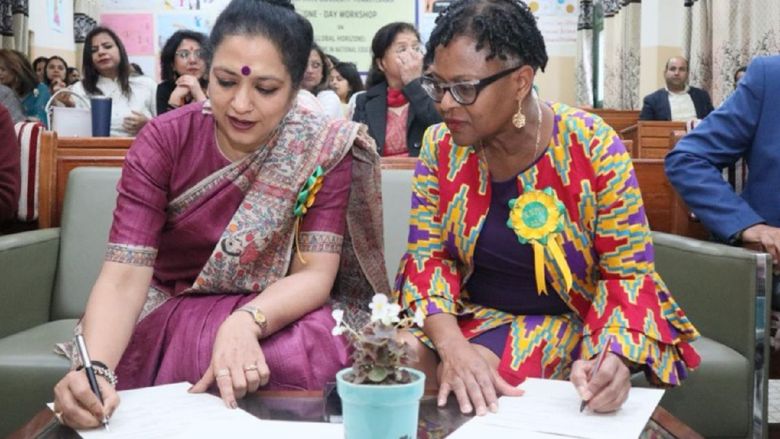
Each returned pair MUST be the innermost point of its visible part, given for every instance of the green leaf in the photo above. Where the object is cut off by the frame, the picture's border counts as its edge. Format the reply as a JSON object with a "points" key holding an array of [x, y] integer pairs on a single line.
{"points": [[377, 374]]}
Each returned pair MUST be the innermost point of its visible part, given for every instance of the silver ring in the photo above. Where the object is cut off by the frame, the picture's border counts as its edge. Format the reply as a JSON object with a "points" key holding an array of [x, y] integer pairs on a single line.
{"points": [[250, 367], [222, 373]]}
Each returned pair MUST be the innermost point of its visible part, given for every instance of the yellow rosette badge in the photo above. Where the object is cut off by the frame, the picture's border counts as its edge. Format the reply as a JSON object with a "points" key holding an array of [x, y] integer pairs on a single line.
{"points": [[536, 217]]}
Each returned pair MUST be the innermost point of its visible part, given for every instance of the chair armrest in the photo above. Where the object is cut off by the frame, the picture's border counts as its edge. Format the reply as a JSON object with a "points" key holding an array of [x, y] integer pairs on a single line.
{"points": [[724, 290], [28, 264]]}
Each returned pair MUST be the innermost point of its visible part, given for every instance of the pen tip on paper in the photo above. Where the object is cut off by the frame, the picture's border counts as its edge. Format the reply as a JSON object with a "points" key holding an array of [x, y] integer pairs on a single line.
{"points": [[105, 425]]}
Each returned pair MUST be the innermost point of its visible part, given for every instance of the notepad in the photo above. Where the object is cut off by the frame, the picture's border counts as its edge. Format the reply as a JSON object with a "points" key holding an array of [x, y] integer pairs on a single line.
{"points": [[170, 411], [550, 409]]}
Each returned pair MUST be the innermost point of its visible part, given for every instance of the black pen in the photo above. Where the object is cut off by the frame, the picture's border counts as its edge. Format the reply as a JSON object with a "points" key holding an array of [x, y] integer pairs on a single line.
{"points": [[596, 368], [90, 373]]}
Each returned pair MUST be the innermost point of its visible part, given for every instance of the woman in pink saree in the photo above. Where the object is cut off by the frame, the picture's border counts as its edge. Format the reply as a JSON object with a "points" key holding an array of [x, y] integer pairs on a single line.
{"points": [[233, 220]]}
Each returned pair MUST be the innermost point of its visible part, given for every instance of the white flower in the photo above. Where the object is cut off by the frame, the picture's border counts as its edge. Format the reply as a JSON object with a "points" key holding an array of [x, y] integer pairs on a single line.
{"points": [[338, 316], [383, 311], [419, 317]]}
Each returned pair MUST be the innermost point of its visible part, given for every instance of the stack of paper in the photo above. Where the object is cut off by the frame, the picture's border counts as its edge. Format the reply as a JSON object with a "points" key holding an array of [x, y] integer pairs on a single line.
{"points": [[171, 412], [550, 409]]}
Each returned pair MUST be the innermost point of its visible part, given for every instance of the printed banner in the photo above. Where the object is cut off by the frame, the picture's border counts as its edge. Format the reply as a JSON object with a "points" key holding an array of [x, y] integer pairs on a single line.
{"points": [[135, 30], [54, 10], [345, 29]]}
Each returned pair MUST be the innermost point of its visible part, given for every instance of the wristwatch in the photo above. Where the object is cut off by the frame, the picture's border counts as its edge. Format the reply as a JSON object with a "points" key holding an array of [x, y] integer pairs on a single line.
{"points": [[257, 315]]}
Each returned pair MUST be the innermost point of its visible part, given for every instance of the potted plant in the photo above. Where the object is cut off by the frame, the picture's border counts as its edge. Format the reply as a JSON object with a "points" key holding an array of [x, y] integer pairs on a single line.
{"points": [[380, 398]]}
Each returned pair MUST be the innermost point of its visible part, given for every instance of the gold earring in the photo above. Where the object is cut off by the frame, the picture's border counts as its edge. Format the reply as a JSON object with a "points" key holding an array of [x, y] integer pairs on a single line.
{"points": [[518, 120]]}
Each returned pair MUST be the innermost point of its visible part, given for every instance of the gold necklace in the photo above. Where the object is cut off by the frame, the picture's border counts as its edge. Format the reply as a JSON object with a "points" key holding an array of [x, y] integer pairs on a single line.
{"points": [[538, 137]]}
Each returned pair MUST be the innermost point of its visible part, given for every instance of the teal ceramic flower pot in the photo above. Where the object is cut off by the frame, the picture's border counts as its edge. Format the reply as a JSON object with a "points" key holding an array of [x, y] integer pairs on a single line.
{"points": [[380, 412]]}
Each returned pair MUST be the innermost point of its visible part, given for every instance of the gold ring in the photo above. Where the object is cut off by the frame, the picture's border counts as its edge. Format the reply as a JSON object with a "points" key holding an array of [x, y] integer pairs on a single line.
{"points": [[58, 415], [250, 367], [222, 373]]}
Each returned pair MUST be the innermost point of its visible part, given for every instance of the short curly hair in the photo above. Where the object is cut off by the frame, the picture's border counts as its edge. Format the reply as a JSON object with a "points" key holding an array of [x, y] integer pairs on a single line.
{"points": [[507, 27]]}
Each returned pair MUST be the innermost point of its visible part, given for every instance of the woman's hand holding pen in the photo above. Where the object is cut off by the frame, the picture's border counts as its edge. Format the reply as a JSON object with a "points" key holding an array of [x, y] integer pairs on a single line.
{"points": [[607, 389], [77, 406], [237, 361]]}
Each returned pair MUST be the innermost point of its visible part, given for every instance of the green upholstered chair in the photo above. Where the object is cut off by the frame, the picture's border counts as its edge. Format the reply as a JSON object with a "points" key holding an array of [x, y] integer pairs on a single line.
{"points": [[47, 276], [723, 290], [396, 205]]}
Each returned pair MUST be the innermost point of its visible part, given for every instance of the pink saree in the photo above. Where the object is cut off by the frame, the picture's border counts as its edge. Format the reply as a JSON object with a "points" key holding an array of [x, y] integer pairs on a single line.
{"points": [[218, 233]]}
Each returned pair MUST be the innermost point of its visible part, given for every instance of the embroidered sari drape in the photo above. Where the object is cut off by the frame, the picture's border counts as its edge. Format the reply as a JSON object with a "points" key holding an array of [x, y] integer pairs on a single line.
{"points": [[225, 232]]}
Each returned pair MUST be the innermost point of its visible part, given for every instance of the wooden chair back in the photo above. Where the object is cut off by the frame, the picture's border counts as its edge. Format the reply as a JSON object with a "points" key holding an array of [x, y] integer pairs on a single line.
{"points": [[651, 138], [617, 119], [60, 155]]}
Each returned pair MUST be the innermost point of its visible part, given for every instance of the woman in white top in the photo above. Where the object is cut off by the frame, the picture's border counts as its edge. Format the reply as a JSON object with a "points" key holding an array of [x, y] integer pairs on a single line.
{"points": [[317, 81], [106, 72]]}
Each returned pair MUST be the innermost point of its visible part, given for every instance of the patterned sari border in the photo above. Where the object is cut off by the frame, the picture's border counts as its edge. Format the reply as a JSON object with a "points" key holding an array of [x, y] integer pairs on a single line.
{"points": [[131, 254], [320, 242]]}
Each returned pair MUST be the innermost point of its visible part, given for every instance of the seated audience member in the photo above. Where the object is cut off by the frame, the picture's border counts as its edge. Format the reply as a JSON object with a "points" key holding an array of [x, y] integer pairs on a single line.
{"points": [[9, 100], [738, 75], [745, 127], [17, 74], [317, 81], [9, 167], [107, 73], [73, 76], [202, 280], [56, 74], [395, 107], [346, 81], [39, 67], [677, 101], [527, 219], [183, 71], [136, 70]]}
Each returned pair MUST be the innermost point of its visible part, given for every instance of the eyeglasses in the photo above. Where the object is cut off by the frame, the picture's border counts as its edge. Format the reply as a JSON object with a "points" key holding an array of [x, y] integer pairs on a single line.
{"points": [[464, 93], [418, 48], [184, 53]]}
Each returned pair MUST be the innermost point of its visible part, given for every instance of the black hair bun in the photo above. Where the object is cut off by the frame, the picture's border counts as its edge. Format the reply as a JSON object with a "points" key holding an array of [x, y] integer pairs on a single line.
{"points": [[283, 3]]}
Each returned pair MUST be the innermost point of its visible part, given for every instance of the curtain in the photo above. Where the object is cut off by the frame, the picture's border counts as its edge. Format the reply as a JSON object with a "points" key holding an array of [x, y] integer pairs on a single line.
{"points": [[84, 20], [584, 69], [622, 27], [14, 17], [720, 36]]}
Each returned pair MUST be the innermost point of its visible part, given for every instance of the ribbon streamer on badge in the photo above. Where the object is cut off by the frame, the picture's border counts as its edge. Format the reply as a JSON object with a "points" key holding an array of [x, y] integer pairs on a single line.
{"points": [[304, 201], [536, 217]]}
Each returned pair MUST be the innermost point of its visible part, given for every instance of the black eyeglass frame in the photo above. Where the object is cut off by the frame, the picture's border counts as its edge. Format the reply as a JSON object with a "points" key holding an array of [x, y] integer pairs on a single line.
{"points": [[428, 83]]}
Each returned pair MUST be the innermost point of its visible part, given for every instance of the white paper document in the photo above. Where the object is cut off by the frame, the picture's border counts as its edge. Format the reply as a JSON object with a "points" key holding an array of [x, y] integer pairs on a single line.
{"points": [[550, 409], [170, 411]]}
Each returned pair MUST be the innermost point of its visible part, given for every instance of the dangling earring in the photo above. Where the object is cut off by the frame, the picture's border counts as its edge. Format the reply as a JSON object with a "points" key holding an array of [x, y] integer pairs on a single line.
{"points": [[518, 120]]}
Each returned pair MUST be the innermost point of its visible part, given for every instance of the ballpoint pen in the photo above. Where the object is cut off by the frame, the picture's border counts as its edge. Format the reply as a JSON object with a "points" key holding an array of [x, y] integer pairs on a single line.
{"points": [[596, 368], [90, 373]]}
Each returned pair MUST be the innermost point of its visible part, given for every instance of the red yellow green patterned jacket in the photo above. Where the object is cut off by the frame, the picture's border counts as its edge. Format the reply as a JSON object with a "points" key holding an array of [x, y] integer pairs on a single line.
{"points": [[615, 292]]}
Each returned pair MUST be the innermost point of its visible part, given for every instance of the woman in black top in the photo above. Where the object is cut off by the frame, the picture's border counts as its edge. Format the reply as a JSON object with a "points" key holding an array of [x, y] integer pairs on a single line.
{"points": [[183, 71], [395, 107]]}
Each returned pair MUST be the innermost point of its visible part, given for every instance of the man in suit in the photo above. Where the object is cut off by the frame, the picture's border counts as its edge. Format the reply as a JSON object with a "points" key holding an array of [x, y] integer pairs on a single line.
{"points": [[677, 101], [746, 126]]}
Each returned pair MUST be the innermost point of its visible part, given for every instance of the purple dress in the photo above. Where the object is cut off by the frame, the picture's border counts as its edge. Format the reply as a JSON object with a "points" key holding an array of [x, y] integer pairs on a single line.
{"points": [[503, 276]]}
